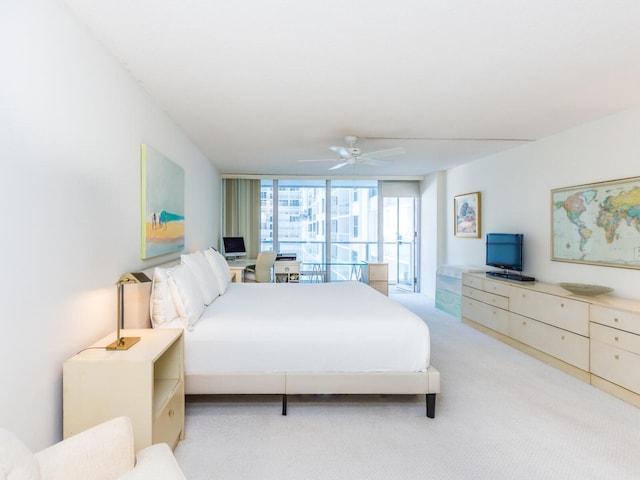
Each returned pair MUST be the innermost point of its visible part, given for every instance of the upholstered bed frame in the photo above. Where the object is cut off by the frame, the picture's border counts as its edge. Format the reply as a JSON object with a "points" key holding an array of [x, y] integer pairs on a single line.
{"points": [[289, 383]]}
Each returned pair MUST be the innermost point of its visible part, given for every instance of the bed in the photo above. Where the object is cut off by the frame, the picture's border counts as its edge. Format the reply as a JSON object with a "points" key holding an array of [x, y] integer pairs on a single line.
{"points": [[294, 339]]}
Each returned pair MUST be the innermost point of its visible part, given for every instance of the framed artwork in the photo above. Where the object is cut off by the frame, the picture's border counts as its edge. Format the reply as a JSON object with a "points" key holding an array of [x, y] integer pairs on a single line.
{"points": [[466, 215], [597, 223], [162, 204]]}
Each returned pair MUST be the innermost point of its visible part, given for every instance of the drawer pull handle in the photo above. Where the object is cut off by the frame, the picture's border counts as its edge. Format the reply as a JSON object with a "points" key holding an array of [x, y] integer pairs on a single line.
{"points": [[617, 357], [171, 413], [562, 337], [616, 319], [617, 339], [562, 305], [524, 323]]}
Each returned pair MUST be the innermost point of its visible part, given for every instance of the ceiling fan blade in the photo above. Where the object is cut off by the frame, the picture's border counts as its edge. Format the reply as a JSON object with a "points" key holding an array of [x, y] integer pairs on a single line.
{"points": [[340, 165], [456, 139], [320, 160], [389, 152], [376, 163], [342, 151]]}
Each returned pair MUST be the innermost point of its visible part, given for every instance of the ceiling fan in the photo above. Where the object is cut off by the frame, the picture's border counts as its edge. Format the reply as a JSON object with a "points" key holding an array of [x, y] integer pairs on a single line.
{"points": [[350, 155]]}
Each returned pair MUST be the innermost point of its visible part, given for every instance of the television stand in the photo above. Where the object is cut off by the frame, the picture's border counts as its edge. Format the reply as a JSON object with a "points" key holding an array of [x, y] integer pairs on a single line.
{"points": [[511, 276]]}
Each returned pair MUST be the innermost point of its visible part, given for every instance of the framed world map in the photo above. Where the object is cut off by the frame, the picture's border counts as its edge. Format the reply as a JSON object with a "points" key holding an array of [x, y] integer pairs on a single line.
{"points": [[597, 223]]}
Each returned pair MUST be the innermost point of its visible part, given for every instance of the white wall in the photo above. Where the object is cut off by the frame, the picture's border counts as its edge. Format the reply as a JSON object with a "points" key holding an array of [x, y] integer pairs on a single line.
{"points": [[71, 124], [432, 230], [515, 194]]}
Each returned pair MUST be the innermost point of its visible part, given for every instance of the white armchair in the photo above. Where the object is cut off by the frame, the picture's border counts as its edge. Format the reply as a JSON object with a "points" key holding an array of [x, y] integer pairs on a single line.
{"points": [[103, 452]]}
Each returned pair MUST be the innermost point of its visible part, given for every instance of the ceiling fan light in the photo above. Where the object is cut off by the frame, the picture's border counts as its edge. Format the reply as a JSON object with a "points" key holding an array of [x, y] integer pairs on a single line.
{"points": [[350, 140]]}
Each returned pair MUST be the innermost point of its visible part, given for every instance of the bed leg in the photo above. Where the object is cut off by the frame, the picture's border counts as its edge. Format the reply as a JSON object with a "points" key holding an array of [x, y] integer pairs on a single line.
{"points": [[431, 405], [284, 404]]}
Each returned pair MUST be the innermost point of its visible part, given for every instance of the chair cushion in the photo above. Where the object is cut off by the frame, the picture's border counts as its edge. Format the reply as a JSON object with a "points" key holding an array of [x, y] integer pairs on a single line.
{"points": [[17, 462]]}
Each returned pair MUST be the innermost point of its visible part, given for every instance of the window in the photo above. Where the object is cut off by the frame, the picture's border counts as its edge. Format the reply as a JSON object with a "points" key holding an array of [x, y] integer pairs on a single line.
{"points": [[266, 214], [322, 221]]}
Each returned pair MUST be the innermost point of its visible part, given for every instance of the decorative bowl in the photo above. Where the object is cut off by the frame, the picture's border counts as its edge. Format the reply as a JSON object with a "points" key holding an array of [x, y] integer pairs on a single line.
{"points": [[585, 289]]}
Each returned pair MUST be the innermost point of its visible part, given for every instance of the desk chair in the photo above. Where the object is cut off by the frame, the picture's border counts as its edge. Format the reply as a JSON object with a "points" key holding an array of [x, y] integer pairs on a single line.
{"points": [[261, 271]]}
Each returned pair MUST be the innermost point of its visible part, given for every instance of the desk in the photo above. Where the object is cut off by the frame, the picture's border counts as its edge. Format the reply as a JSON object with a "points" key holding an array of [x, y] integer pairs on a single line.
{"points": [[237, 268], [320, 270]]}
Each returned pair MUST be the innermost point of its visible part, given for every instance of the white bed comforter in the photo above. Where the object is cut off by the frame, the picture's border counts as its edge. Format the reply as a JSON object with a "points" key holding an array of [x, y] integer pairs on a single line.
{"points": [[327, 327]]}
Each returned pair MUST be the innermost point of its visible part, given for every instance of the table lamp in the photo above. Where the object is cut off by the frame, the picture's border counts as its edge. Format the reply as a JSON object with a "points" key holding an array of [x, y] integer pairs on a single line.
{"points": [[125, 343]]}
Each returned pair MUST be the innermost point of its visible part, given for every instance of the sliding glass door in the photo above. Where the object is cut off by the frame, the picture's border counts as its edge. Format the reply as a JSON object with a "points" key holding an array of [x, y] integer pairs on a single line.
{"points": [[400, 235]]}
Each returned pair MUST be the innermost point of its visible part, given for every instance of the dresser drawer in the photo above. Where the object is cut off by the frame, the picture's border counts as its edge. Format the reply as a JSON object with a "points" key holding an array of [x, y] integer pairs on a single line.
{"points": [[561, 312], [487, 315], [497, 287], [629, 321], [472, 281], [616, 338], [486, 297], [616, 365], [168, 423], [566, 346]]}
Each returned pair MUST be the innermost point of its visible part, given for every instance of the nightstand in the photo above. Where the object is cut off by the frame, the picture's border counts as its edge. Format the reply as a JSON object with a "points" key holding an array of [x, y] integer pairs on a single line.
{"points": [[378, 277], [286, 271], [144, 383]]}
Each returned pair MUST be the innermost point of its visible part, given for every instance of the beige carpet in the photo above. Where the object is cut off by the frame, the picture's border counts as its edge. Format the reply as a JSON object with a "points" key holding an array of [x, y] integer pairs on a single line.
{"points": [[502, 415]]}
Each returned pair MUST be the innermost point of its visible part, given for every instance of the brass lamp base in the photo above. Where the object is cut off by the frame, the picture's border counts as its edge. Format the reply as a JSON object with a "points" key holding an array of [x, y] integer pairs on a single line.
{"points": [[125, 343]]}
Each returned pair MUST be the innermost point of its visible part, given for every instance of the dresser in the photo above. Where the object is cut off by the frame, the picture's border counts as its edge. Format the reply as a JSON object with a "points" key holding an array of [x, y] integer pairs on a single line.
{"points": [[145, 383], [615, 349], [596, 339]]}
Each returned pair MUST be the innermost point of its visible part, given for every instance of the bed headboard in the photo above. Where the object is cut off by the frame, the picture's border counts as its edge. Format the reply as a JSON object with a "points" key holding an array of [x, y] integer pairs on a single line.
{"points": [[137, 299]]}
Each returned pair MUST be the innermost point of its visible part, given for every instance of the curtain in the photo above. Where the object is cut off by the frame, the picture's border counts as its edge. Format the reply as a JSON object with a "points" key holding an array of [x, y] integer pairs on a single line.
{"points": [[242, 212]]}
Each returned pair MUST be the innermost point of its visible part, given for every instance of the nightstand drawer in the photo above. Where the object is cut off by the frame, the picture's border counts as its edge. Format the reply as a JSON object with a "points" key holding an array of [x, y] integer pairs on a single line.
{"points": [[378, 272], [167, 426]]}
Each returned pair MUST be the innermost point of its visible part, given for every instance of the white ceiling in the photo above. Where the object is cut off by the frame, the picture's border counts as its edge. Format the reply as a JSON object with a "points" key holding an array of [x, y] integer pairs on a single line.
{"points": [[259, 85]]}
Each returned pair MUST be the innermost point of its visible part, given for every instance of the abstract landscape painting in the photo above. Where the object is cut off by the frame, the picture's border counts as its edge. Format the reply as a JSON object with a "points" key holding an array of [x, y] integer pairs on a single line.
{"points": [[162, 204]]}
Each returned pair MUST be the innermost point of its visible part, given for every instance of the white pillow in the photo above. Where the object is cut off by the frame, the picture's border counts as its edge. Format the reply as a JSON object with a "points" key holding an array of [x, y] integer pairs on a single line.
{"points": [[207, 280], [220, 268], [187, 295], [161, 307], [16, 460]]}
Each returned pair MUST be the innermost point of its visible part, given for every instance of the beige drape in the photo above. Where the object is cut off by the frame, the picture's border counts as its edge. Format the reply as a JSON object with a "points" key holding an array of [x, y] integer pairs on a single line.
{"points": [[242, 212]]}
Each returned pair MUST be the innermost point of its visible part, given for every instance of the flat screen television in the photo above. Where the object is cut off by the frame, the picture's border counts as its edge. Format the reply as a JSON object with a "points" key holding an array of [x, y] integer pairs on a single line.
{"points": [[505, 251], [234, 247]]}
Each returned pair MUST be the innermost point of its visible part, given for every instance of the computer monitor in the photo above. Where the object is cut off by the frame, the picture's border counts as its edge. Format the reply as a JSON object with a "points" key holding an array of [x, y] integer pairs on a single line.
{"points": [[234, 247]]}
